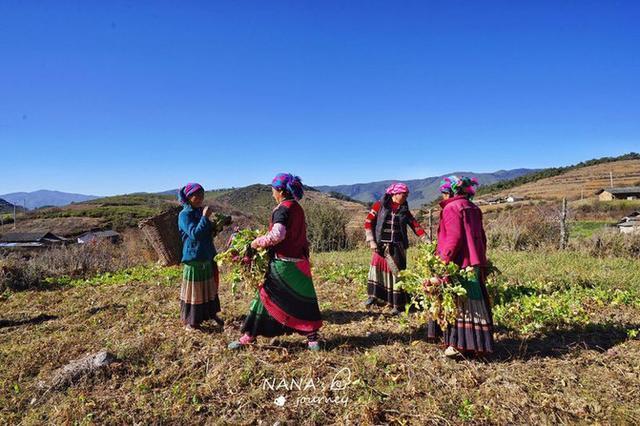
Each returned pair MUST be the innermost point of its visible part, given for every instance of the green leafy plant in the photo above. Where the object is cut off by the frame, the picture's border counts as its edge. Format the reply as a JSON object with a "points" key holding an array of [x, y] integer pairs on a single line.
{"points": [[245, 264], [341, 273], [219, 221], [466, 410], [168, 276]]}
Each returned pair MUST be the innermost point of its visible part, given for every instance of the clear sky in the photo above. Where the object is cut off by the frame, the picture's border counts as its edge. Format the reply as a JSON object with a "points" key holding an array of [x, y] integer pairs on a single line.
{"points": [[105, 97]]}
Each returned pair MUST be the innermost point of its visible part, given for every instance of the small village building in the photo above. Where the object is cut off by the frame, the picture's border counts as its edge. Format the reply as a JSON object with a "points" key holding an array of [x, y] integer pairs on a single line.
{"points": [[514, 198], [626, 193], [31, 239], [89, 237], [630, 224], [495, 200]]}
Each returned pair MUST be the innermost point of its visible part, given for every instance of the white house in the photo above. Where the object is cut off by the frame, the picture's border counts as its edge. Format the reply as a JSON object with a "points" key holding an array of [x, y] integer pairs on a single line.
{"points": [[514, 198], [630, 224]]}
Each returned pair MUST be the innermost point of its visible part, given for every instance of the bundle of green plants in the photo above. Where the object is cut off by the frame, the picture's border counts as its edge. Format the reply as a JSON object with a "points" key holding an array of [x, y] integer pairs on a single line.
{"points": [[435, 286], [244, 264]]}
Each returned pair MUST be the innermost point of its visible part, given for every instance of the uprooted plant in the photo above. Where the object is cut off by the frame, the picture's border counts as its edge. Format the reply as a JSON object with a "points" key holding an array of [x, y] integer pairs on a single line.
{"points": [[435, 286], [245, 264]]}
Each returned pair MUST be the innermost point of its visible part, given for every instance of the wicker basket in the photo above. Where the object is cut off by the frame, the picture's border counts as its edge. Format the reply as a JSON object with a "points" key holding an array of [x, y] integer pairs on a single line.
{"points": [[162, 233]]}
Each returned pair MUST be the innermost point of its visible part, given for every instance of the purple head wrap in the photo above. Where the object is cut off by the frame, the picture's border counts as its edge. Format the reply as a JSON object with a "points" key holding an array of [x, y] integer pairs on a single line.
{"points": [[292, 184], [187, 191]]}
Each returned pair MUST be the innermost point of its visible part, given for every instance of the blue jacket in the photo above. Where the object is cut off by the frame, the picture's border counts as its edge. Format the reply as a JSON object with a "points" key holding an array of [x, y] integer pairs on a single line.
{"points": [[196, 232]]}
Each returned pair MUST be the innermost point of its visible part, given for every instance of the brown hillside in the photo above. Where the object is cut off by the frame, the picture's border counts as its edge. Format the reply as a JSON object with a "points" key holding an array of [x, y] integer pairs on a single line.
{"points": [[581, 182], [355, 211], [257, 202], [250, 207]]}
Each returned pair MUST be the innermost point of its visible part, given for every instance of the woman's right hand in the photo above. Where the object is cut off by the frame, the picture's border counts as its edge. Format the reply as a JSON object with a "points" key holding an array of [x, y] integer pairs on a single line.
{"points": [[207, 211], [373, 245], [254, 244]]}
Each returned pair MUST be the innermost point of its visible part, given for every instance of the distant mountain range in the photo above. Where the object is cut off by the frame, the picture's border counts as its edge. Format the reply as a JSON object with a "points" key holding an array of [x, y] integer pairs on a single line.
{"points": [[422, 191], [252, 205], [36, 199]]}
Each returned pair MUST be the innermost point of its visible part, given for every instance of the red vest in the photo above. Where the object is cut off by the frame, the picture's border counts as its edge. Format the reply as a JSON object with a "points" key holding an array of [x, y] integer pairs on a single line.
{"points": [[295, 243]]}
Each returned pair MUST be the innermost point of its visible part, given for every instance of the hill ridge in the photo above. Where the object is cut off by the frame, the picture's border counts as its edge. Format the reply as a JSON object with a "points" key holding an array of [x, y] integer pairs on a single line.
{"points": [[422, 191], [45, 197], [577, 180]]}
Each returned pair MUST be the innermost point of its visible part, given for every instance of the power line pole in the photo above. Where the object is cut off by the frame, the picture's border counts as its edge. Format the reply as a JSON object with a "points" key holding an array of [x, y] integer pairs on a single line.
{"points": [[14, 216], [563, 225], [611, 178]]}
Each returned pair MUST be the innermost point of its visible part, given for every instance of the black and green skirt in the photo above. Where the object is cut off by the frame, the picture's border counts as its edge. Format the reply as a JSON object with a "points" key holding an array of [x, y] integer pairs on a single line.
{"points": [[286, 303], [199, 292], [473, 329]]}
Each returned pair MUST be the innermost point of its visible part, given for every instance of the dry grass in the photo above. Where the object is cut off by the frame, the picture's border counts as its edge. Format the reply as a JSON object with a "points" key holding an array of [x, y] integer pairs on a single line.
{"points": [[34, 269], [533, 225], [586, 372]]}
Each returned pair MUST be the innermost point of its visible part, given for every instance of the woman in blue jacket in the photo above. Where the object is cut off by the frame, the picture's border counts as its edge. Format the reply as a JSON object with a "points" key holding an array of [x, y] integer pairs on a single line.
{"points": [[199, 292]]}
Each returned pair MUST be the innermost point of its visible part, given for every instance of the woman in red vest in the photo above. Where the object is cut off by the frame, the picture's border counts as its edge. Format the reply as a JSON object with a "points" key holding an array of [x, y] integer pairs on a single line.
{"points": [[386, 232], [462, 240], [286, 303]]}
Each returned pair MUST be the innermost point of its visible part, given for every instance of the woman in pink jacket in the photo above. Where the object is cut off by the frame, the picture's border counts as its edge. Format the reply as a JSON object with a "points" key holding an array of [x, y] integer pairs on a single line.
{"points": [[461, 239]]}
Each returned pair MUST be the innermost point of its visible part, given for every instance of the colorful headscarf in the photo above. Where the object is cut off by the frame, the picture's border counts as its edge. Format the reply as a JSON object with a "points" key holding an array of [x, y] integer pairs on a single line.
{"points": [[397, 188], [292, 184], [459, 185], [187, 191]]}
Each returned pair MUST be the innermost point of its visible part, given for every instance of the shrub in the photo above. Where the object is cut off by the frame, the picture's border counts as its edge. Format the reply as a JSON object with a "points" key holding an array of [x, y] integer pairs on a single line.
{"points": [[327, 227], [17, 275], [609, 242], [525, 229], [7, 218]]}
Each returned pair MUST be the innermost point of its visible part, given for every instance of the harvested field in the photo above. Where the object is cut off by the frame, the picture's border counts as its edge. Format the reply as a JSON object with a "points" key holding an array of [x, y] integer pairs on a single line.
{"points": [[567, 352]]}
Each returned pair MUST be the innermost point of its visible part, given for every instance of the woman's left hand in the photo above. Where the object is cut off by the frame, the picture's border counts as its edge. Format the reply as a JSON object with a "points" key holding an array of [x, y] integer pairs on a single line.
{"points": [[254, 244]]}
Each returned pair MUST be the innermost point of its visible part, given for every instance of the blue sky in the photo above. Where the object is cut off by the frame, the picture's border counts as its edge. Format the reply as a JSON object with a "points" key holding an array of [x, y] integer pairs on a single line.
{"points": [[115, 97]]}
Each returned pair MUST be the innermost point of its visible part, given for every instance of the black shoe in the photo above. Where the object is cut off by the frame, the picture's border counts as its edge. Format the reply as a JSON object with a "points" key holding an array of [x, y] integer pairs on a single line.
{"points": [[218, 320], [370, 301], [395, 312]]}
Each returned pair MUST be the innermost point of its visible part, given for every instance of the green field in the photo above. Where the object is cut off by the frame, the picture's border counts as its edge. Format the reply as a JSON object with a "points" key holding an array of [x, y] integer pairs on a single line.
{"points": [[586, 228], [567, 352]]}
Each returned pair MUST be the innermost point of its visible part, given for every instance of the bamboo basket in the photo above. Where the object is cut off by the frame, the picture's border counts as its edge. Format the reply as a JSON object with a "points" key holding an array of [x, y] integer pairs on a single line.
{"points": [[162, 232]]}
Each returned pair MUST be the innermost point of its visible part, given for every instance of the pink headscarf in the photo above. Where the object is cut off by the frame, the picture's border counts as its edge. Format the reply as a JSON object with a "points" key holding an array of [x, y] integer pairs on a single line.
{"points": [[397, 188]]}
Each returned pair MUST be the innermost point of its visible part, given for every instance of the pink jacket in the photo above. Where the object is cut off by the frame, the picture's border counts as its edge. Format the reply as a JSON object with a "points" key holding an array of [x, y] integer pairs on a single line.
{"points": [[461, 237]]}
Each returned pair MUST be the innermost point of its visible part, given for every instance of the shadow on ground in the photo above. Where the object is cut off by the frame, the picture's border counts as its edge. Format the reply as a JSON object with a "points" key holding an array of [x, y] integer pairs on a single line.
{"points": [[347, 317], [26, 321], [555, 344]]}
